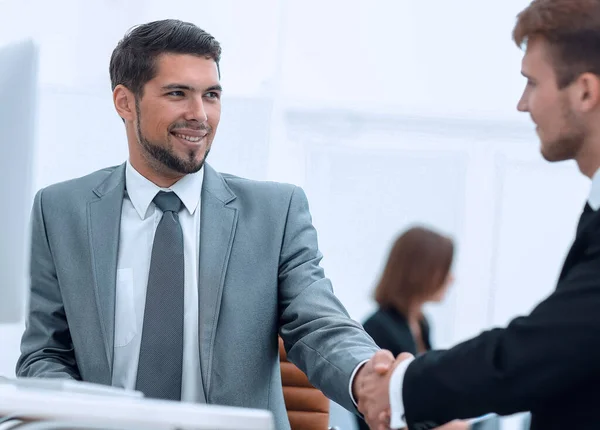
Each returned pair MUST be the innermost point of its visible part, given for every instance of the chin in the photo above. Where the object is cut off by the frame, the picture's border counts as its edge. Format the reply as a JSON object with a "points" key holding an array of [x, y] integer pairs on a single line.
{"points": [[554, 157], [189, 168], [193, 165], [548, 157]]}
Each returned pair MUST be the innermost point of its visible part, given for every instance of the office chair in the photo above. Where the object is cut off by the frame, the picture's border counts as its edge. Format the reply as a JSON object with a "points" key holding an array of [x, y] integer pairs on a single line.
{"points": [[307, 407]]}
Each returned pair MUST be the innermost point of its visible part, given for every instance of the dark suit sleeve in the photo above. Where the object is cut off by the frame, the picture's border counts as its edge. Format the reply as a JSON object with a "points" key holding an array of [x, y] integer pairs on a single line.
{"points": [[521, 367], [46, 346], [319, 336]]}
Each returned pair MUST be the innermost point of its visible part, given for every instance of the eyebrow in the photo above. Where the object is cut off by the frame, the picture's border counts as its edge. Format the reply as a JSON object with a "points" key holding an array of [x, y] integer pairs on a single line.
{"points": [[171, 87]]}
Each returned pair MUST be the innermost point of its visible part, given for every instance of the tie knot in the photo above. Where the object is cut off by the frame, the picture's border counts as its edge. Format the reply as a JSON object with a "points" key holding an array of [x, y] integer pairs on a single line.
{"points": [[167, 202]]}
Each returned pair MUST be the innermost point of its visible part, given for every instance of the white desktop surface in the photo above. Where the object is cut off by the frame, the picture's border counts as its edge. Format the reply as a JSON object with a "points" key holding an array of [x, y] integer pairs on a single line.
{"points": [[128, 412]]}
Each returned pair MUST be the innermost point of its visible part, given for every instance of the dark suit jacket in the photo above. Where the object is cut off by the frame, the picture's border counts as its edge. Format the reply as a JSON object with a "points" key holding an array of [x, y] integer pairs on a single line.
{"points": [[389, 329], [547, 362]]}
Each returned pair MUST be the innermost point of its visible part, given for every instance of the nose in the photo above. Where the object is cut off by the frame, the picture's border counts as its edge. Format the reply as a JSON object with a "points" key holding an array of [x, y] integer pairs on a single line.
{"points": [[196, 111], [522, 104]]}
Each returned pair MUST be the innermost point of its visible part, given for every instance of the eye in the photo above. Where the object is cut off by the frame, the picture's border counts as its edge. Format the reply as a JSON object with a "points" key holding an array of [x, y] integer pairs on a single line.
{"points": [[177, 93], [213, 95]]}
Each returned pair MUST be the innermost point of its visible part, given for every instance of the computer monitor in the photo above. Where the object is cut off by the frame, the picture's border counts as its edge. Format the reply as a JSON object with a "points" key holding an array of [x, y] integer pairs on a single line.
{"points": [[18, 118]]}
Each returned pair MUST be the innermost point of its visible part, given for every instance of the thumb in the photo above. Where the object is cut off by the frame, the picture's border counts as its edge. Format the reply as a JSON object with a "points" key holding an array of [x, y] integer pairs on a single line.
{"points": [[382, 361]]}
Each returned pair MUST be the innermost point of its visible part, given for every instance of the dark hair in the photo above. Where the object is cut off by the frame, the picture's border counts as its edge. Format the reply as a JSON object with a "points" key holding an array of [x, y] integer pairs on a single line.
{"points": [[417, 266], [572, 27], [133, 61]]}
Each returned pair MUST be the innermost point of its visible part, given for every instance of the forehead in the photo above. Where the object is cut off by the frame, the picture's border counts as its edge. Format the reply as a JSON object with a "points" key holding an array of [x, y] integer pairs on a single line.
{"points": [[186, 69], [537, 57]]}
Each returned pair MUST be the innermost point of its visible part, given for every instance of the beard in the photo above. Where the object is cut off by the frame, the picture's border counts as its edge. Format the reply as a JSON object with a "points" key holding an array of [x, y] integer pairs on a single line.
{"points": [[162, 157], [568, 143]]}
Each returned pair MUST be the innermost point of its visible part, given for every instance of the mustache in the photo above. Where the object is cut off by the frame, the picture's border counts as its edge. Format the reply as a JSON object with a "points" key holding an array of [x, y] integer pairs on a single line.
{"points": [[192, 125]]}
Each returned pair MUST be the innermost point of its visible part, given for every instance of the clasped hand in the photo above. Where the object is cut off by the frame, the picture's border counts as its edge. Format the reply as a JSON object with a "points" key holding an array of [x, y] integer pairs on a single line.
{"points": [[371, 388]]}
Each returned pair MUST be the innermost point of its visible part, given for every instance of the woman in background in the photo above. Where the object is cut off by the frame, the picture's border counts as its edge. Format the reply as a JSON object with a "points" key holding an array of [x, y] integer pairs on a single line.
{"points": [[418, 271]]}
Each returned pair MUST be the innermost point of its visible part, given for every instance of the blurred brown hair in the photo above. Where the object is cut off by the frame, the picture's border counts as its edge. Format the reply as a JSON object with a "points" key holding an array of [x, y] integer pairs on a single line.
{"points": [[417, 267], [572, 28]]}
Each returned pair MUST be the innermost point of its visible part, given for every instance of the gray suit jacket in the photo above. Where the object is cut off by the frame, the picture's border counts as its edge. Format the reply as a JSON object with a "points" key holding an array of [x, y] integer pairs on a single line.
{"points": [[259, 276]]}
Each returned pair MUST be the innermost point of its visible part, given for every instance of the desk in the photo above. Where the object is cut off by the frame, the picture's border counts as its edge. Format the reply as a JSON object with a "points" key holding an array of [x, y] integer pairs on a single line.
{"points": [[127, 413]]}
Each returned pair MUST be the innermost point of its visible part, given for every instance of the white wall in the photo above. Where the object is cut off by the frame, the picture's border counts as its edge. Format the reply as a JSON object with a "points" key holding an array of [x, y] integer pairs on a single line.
{"points": [[388, 113]]}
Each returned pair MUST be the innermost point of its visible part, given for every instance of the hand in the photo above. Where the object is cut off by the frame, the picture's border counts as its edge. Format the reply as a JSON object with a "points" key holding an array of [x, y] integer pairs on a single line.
{"points": [[379, 364], [376, 368], [373, 388]]}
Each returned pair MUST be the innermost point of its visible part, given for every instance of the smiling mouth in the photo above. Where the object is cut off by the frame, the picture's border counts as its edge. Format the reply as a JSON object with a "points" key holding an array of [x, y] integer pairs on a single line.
{"points": [[193, 139]]}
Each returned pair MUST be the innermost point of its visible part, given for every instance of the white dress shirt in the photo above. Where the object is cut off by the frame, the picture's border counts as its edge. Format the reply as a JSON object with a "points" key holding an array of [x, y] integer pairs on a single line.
{"points": [[139, 220], [397, 380]]}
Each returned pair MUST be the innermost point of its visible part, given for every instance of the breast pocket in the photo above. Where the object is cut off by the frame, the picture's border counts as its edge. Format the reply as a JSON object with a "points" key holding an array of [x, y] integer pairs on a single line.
{"points": [[125, 315]]}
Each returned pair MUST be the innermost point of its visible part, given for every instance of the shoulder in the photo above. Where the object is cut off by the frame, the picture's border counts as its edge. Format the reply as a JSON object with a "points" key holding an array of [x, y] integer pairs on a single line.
{"points": [[88, 182], [385, 318], [244, 185], [267, 193], [389, 332], [75, 190]]}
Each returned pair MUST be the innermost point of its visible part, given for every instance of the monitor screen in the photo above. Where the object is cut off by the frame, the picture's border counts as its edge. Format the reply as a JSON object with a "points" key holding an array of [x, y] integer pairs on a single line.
{"points": [[18, 118]]}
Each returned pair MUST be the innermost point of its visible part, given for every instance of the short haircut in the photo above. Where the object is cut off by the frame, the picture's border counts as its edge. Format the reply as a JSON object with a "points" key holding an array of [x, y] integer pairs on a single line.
{"points": [[572, 28], [133, 61]]}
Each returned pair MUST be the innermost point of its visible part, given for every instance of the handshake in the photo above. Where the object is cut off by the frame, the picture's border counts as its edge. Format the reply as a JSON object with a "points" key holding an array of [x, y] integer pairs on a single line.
{"points": [[371, 389]]}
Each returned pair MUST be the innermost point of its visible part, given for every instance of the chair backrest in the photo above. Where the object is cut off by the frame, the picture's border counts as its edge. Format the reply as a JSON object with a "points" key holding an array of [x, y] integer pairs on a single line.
{"points": [[307, 407]]}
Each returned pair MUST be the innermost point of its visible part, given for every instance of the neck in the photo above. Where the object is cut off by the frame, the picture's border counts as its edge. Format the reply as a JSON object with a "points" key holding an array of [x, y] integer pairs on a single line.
{"points": [[161, 179], [414, 313], [588, 159]]}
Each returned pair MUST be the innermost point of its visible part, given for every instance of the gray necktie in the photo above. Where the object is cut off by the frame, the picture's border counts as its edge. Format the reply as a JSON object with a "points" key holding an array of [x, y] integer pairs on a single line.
{"points": [[161, 351]]}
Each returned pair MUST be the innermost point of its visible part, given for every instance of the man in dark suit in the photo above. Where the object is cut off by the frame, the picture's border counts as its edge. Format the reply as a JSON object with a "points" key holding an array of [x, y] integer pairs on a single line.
{"points": [[547, 362]]}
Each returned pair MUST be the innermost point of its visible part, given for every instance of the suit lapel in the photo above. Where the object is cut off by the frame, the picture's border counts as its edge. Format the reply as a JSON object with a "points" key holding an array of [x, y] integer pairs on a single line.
{"points": [[217, 229], [104, 216]]}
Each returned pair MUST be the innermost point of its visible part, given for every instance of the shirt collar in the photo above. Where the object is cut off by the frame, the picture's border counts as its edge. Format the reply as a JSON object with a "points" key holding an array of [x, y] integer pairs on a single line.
{"points": [[594, 198], [141, 191]]}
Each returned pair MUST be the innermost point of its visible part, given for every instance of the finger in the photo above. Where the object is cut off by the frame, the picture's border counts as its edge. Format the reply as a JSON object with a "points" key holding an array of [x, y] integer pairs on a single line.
{"points": [[403, 356], [385, 416], [382, 367], [382, 361]]}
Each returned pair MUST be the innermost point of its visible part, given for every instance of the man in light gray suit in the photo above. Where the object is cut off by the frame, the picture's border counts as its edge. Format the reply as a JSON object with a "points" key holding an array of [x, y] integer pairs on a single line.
{"points": [[165, 276]]}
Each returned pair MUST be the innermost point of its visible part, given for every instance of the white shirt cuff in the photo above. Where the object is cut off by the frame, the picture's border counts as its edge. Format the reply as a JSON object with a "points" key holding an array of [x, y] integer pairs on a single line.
{"points": [[352, 380], [398, 419]]}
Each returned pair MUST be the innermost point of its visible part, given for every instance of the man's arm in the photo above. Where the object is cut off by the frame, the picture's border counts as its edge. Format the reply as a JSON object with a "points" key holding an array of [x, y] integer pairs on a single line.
{"points": [[46, 346], [319, 336], [521, 367]]}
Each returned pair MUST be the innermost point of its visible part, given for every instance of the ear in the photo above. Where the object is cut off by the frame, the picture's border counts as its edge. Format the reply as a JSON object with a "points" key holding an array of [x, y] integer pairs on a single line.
{"points": [[124, 101], [587, 92]]}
